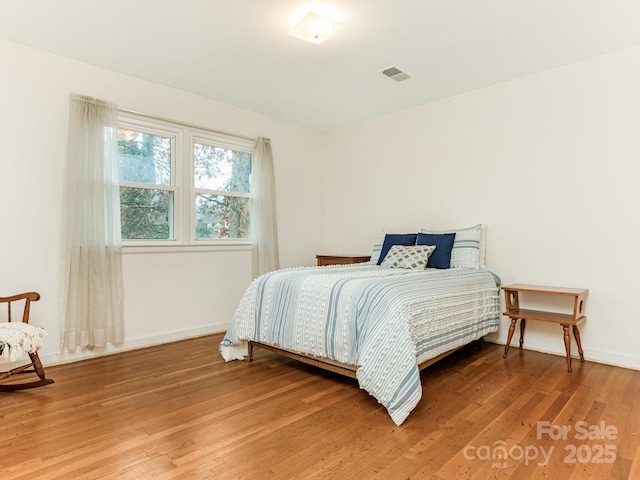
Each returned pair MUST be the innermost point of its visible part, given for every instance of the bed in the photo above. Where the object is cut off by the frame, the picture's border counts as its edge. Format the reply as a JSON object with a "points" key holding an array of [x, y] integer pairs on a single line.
{"points": [[375, 322]]}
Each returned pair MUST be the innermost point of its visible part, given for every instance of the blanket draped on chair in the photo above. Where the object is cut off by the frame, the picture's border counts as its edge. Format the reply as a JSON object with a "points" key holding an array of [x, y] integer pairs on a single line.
{"points": [[18, 339]]}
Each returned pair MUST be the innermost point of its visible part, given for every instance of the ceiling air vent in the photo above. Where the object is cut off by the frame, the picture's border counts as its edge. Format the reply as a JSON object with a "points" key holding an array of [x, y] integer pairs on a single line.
{"points": [[395, 73]]}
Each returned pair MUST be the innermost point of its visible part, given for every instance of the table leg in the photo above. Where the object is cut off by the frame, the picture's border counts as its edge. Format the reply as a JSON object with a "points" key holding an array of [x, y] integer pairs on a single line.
{"points": [[567, 346], [512, 329], [523, 325], [576, 334]]}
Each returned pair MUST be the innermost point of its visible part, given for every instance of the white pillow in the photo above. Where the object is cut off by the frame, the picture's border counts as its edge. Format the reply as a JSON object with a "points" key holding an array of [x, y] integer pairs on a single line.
{"points": [[413, 257], [469, 249]]}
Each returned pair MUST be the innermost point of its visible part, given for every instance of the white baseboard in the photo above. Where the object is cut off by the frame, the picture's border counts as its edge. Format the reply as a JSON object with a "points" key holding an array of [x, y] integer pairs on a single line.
{"points": [[132, 344], [538, 344], [556, 347]]}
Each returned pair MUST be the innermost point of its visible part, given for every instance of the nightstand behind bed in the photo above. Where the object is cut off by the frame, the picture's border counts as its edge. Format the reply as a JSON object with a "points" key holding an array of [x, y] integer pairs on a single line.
{"points": [[341, 259]]}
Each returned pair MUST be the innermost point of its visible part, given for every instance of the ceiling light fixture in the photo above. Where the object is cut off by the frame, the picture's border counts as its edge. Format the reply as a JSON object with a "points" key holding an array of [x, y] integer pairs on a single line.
{"points": [[314, 28]]}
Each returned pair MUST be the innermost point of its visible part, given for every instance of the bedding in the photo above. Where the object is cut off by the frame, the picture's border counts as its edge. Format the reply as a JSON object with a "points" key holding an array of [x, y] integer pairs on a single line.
{"points": [[391, 239], [443, 242], [383, 321], [468, 249], [413, 257], [469, 246]]}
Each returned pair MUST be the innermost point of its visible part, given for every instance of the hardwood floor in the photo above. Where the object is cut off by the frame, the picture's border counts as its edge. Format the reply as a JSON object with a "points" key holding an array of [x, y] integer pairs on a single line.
{"points": [[177, 411]]}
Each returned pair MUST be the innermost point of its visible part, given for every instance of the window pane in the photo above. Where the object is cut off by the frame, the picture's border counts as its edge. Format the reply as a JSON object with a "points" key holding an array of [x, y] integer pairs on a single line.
{"points": [[146, 213], [221, 169], [218, 216], [144, 158]]}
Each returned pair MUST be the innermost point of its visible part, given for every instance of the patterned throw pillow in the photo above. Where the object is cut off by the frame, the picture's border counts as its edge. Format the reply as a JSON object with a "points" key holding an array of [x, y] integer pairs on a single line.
{"points": [[414, 257]]}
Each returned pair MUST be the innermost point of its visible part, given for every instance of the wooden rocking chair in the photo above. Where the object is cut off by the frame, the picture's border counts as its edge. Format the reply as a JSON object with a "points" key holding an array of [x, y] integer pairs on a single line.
{"points": [[18, 338]]}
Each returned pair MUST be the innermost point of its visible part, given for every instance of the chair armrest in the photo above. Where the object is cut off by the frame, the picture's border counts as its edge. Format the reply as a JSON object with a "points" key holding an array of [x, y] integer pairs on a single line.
{"points": [[28, 297], [31, 296]]}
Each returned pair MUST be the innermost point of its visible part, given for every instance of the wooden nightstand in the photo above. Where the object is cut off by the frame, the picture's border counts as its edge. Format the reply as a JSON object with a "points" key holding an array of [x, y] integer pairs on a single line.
{"points": [[341, 259], [566, 320]]}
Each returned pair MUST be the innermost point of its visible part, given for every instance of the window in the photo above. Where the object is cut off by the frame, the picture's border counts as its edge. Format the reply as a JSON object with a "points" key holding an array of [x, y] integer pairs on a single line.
{"points": [[147, 183], [182, 185], [221, 179]]}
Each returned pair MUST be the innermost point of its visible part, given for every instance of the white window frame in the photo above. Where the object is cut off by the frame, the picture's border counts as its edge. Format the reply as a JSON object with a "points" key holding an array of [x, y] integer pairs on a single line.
{"points": [[224, 141], [182, 185]]}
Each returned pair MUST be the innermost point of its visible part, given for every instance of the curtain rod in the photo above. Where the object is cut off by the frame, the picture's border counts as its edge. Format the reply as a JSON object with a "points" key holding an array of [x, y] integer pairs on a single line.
{"points": [[185, 124]]}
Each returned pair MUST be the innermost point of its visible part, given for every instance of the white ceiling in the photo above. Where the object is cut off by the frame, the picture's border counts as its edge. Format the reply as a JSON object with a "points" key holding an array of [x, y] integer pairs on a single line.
{"points": [[238, 51]]}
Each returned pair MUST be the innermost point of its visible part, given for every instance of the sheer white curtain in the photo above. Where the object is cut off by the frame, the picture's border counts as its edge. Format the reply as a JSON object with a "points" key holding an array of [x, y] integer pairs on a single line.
{"points": [[92, 293], [262, 206]]}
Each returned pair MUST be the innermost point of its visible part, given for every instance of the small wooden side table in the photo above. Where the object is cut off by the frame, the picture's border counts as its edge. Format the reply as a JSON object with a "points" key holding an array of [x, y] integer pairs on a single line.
{"points": [[512, 302], [341, 259]]}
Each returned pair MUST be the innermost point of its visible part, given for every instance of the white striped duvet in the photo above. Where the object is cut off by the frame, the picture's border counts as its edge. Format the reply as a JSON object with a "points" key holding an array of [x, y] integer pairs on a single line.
{"points": [[384, 321]]}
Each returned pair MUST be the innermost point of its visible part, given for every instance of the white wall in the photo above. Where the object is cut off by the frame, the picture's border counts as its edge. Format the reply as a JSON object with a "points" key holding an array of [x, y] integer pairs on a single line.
{"points": [[550, 163], [168, 296]]}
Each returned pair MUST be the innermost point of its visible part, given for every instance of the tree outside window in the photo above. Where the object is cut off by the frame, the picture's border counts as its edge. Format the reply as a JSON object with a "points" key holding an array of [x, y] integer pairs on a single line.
{"points": [[167, 170]]}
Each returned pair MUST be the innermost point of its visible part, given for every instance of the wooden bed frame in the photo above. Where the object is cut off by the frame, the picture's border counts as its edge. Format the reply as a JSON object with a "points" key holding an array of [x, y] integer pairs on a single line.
{"points": [[335, 366]]}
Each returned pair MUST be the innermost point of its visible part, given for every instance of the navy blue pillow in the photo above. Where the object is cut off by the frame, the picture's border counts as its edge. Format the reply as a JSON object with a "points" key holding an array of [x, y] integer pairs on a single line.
{"points": [[391, 239], [441, 257]]}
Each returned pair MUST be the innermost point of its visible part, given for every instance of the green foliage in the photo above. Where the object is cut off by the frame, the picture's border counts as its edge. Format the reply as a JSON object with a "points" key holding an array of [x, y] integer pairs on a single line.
{"points": [[222, 216], [144, 212], [147, 213]]}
